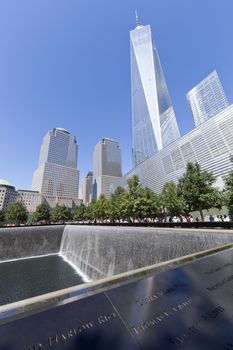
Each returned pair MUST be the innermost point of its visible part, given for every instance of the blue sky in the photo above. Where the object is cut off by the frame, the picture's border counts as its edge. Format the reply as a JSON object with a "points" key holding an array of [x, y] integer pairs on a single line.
{"points": [[66, 63]]}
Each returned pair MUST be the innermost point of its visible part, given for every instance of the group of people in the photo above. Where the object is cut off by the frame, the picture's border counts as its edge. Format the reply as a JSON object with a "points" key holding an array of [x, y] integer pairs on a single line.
{"points": [[211, 218], [179, 218], [219, 218], [182, 218]]}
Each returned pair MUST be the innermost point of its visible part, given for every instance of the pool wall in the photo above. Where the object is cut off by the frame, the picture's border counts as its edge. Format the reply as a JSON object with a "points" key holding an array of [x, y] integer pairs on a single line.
{"points": [[23, 242]]}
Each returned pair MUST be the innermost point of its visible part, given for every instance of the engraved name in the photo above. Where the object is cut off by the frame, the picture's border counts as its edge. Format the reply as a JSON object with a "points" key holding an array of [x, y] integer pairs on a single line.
{"points": [[57, 339], [216, 269], [221, 283], [196, 327], [158, 319], [160, 294]]}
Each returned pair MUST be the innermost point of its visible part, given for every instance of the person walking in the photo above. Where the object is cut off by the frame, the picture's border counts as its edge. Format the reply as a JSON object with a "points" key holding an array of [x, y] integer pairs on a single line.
{"points": [[226, 218]]}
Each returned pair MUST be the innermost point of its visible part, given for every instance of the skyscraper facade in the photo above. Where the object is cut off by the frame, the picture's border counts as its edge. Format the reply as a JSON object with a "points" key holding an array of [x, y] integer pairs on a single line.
{"points": [[210, 144], [57, 175], [106, 166], [153, 118], [207, 99], [86, 187]]}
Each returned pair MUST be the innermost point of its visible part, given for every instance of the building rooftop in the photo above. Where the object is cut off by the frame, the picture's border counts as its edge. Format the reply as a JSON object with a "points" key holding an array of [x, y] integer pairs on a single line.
{"points": [[203, 82], [63, 130], [107, 139], [30, 191], [5, 183]]}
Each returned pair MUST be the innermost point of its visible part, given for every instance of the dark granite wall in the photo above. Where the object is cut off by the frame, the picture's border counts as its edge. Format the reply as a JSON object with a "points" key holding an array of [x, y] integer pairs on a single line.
{"points": [[21, 242]]}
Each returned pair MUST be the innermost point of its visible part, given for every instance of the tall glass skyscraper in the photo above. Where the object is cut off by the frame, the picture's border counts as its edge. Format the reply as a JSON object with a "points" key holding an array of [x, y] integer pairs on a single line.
{"points": [[207, 99], [57, 173], [106, 166], [153, 118]]}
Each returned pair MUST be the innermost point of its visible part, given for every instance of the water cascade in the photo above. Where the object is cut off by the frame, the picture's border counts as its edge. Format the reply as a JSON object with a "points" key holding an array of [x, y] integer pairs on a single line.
{"points": [[23, 242], [100, 252], [37, 260]]}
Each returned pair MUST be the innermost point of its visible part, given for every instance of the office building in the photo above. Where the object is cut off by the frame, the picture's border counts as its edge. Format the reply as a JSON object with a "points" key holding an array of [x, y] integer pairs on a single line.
{"points": [[86, 188], [207, 99], [210, 144], [153, 118], [30, 199], [57, 177], [106, 166], [8, 195]]}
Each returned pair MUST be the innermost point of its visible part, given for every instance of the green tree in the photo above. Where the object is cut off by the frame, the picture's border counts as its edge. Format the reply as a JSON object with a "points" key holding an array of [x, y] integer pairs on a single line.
{"points": [[42, 214], [79, 213], [90, 211], [137, 202], [229, 189], [151, 203], [171, 201], [196, 188], [101, 208], [134, 198], [17, 214], [118, 204], [61, 213], [2, 217]]}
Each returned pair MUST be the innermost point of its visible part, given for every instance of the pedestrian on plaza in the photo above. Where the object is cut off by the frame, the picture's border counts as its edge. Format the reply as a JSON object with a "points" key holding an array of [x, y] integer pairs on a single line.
{"points": [[211, 218], [221, 218], [226, 218]]}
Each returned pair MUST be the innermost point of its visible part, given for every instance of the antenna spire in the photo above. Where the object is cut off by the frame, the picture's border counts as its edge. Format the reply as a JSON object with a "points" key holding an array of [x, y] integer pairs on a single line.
{"points": [[137, 19]]}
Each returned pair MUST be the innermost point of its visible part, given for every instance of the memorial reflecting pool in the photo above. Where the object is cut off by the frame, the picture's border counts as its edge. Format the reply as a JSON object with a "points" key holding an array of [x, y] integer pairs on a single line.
{"points": [[40, 260], [26, 278]]}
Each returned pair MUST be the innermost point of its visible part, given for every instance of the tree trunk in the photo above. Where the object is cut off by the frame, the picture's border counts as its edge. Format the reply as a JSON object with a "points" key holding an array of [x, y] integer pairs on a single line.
{"points": [[202, 216]]}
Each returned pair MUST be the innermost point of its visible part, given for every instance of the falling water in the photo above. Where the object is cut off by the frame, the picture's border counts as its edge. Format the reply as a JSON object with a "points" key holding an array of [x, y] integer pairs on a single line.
{"points": [[26, 242], [99, 252]]}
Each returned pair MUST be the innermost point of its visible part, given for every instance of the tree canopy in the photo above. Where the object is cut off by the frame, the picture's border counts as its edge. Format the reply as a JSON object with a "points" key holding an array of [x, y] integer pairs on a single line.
{"points": [[196, 188], [79, 213], [61, 213], [229, 188], [172, 202], [118, 204], [140, 202], [17, 214], [2, 217], [42, 214], [101, 208], [134, 198]]}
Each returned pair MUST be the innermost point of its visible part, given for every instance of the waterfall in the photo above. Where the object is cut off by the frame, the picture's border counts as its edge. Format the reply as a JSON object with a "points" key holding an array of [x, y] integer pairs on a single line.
{"points": [[26, 242], [98, 252]]}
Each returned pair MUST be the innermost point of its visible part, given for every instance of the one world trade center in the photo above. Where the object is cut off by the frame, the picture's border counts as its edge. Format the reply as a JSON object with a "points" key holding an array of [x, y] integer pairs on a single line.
{"points": [[153, 118]]}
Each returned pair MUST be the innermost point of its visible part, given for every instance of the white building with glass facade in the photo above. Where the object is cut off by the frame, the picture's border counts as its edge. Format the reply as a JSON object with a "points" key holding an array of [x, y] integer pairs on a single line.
{"points": [[106, 166], [207, 99], [57, 177], [153, 118], [210, 144]]}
